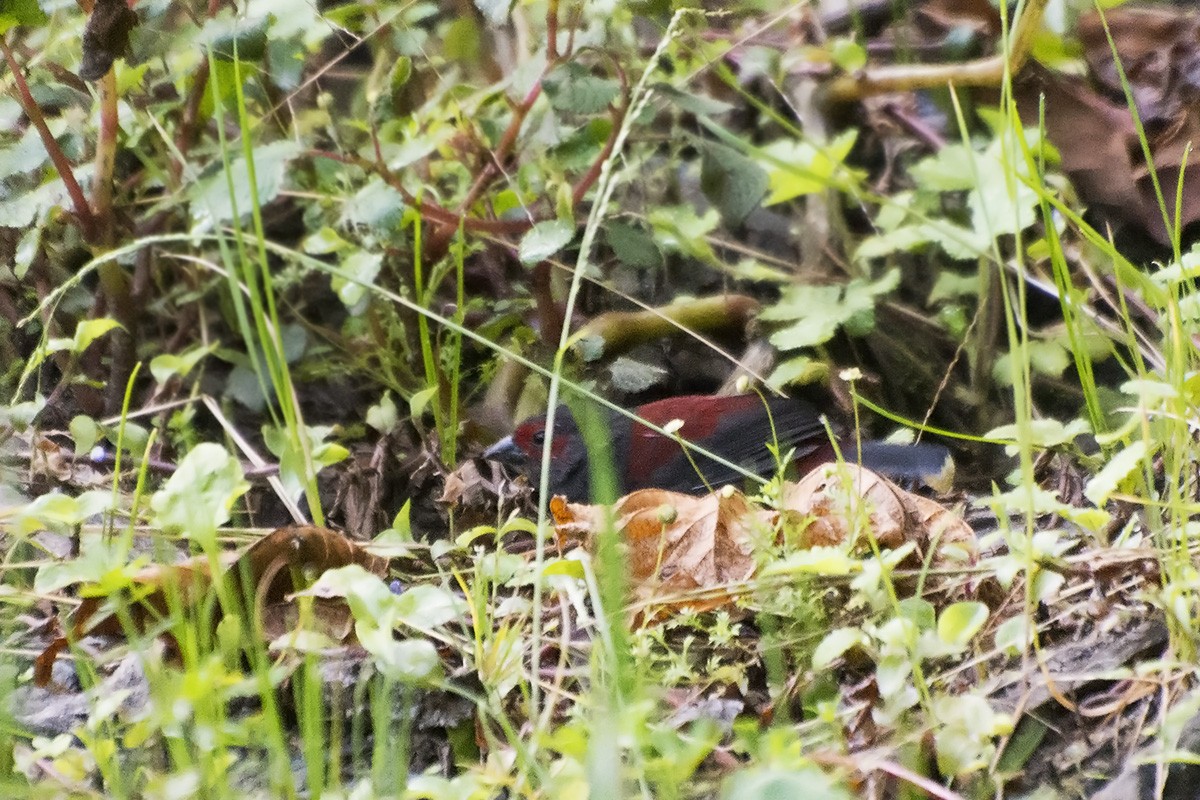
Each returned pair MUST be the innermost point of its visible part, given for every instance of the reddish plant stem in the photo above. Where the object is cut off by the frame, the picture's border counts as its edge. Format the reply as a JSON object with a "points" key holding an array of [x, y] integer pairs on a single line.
{"points": [[83, 211]]}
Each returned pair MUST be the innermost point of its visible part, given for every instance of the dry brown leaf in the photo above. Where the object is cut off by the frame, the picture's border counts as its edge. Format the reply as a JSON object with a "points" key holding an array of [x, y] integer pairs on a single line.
{"points": [[683, 550], [678, 544], [1159, 47], [838, 500], [268, 565]]}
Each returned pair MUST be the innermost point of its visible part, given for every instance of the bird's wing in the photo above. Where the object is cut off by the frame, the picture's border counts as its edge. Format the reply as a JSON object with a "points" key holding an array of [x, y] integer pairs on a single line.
{"points": [[741, 437]]}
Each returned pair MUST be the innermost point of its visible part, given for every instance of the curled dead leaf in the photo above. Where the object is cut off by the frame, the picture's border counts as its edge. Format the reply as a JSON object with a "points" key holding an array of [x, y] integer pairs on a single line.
{"points": [[266, 571]]}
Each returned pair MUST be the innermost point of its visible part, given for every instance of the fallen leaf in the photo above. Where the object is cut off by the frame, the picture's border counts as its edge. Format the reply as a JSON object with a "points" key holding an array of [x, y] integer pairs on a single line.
{"points": [[268, 567], [679, 545], [837, 503]]}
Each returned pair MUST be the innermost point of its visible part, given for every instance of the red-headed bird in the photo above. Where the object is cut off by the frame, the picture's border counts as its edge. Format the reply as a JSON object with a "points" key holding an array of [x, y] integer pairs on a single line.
{"points": [[737, 428]]}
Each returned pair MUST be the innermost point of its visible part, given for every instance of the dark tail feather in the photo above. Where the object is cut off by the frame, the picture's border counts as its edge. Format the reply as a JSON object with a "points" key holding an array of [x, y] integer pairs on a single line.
{"points": [[930, 463]]}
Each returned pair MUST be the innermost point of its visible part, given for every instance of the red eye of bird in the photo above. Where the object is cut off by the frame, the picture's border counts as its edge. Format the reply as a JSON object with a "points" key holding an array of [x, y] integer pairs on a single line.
{"points": [[539, 437]]}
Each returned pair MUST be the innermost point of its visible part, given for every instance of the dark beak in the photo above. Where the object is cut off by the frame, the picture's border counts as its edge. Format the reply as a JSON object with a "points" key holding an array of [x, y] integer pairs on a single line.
{"points": [[506, 452]]}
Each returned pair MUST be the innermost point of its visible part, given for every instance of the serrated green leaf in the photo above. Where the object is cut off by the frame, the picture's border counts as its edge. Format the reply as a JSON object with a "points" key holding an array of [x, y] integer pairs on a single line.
{"points": [[573, 89], [1119, 468], [732, 182]]}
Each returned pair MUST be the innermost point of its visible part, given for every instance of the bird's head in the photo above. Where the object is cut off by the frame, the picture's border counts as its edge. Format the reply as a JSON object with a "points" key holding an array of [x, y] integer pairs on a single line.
{"points": [[522, 451]]}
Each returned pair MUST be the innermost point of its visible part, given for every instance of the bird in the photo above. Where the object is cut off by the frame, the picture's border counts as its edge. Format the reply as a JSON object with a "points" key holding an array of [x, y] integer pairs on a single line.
{"points": [[741, 429]]}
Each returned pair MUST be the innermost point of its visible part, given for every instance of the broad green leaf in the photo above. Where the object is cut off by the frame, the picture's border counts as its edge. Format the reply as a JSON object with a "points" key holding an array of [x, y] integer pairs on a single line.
{"points": [[680, 229], [463, 40], [951, 169], [1012, 635], [20, 12], [424, 607], [324, 242], [545, 239], [407, 660], [575, 90], [796, 168], [85, 433], [90, 330], [211, 200], [633, 246], [819, 311], [732, 182], [240, 37], [959, 623], [801, 780], [848, 54], [199, 497], [57, 511], [369, 598], [164, 366], [920, 611]]}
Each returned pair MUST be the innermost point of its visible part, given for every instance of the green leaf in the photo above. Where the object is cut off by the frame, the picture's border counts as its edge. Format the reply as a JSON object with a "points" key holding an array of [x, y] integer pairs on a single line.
{"points": [[21, 12], [630, 375], [199, 497], [735, 184], [1012, 635], [920, 611], [544, 240], [424, 607], [700, 104], [407, 661], [292, 468], [835, 644], [85, 433], [782, 783], [798, 371], [633, 246], [680, 229], [959, 623], [376, 206], [164, 366], [951, 169], [369, 598], [89, 331], [1118, 469], [819, 311], [384, 416], [796, 168], [463, 41], [848, 54], [212, 203], [57, 511], [356, 276], [243, 38], [573, 89]]}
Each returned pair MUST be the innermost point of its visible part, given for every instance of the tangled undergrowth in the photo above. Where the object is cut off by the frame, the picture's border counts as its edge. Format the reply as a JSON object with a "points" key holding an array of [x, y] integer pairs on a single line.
{"points": [[275, 274]]}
